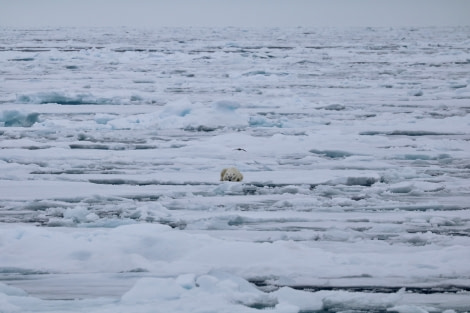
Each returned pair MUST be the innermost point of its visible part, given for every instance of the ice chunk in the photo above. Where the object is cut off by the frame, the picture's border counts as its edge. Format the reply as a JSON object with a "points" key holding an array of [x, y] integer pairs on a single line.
{"points": [[184, 114], [179, 108], [341, 300], [306, 301], [151, 289], [187, 281], [103, 118], [334, 107], [213, 291], [414, 309], [62, 98], [366, 180], [261, 121], [402, 187], [226, 105], [12, 291], [407, 187], [15, 118], [334, 154]]}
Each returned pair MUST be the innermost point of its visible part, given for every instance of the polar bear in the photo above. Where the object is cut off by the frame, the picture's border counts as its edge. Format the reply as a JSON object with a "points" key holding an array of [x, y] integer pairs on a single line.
{"points": [[231, 174]]}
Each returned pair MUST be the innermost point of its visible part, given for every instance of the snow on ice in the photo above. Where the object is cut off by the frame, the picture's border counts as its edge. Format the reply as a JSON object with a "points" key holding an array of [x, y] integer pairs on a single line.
{"points": [[353, 144]]}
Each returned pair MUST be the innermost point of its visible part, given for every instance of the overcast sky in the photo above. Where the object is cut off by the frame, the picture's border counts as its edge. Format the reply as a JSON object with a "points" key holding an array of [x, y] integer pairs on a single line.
{"points": [[151, 13]]}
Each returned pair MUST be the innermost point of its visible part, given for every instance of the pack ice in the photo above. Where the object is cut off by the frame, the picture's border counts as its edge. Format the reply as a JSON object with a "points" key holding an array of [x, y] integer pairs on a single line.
{"points": [[353, 144]]}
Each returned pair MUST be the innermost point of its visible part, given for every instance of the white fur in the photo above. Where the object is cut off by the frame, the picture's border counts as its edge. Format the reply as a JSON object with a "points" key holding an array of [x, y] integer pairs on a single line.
{"points": [[231, 174]]}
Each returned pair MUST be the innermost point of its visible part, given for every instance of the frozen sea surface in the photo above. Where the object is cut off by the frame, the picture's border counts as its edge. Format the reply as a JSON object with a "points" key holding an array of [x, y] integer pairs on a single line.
{"points": [[353, 143]]}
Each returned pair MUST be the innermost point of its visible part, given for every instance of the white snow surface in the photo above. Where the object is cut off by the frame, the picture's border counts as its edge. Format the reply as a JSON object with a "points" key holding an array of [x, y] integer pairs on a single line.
{"points": [[353, 144]]}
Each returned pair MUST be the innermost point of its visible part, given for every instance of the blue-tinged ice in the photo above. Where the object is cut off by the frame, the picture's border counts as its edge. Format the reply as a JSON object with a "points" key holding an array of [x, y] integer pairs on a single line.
{"points": [[15, 118]]}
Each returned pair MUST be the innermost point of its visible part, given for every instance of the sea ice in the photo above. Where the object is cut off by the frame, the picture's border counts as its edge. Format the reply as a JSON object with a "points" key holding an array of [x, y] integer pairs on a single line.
{"points": [[353, 144]]}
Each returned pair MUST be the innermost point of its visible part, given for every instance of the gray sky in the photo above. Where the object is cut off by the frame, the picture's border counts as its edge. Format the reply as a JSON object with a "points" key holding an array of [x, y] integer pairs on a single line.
{"points": [[149, 13]]}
